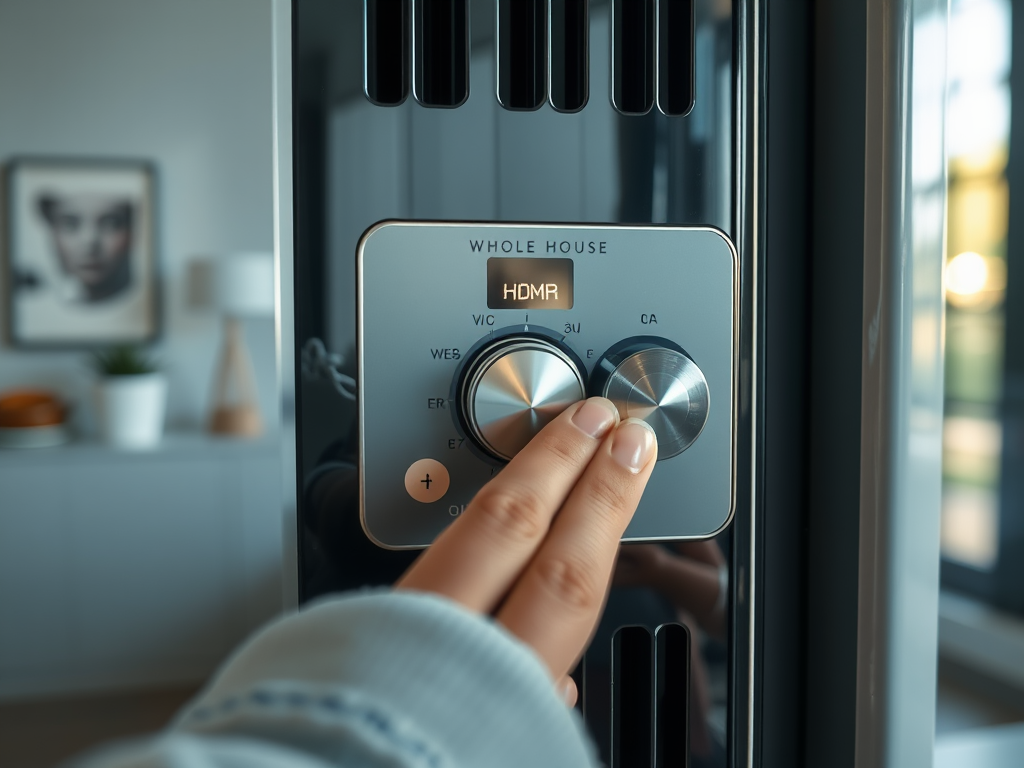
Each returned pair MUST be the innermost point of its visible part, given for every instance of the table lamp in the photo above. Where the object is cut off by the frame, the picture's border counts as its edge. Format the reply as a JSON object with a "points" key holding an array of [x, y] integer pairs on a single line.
{"points": [[242, 287]]}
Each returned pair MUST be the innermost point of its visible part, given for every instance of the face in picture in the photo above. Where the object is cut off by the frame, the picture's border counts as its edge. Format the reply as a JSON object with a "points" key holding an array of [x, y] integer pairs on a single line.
{"points": [[92, 240]]}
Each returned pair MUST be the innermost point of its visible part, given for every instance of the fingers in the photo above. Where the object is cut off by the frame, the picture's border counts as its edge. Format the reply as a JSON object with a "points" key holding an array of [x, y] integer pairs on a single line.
{"points": [[478, 558], [556, 602]]}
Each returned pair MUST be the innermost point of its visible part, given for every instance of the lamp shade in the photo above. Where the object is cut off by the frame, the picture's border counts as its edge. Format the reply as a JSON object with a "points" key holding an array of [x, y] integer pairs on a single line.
{"points": [[243, 284]]}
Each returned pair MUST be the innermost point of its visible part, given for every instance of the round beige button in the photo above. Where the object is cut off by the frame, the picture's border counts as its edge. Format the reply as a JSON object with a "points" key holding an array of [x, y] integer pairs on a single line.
{"points": [[426, 480]]}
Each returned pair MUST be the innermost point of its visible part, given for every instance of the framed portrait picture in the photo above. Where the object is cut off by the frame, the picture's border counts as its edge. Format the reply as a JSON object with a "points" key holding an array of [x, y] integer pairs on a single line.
{"points": [[81, 253]]}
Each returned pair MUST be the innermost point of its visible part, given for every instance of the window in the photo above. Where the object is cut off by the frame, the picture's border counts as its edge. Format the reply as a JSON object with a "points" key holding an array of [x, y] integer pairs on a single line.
{"points": [[977, 510]]}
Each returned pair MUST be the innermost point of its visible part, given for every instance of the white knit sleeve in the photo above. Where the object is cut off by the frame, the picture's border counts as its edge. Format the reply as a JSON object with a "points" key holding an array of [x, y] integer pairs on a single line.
{"points": [[372, 679]]}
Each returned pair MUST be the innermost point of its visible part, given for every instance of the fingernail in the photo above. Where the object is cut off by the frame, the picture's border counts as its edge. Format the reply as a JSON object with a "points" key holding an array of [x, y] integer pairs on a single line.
{"points": [[596, 416], [634, 444]]}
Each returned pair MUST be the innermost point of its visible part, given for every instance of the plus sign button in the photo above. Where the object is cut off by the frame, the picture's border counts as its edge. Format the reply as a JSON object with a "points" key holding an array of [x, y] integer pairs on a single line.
{"points": [[426, 480]]}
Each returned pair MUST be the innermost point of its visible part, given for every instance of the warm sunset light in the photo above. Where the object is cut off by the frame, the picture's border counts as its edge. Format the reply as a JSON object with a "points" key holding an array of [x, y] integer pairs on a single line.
{"points": [[966, 274]]}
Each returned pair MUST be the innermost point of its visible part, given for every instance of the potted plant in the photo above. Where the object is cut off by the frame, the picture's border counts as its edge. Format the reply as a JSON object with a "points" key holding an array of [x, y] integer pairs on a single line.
{"points": [[130, 397]]}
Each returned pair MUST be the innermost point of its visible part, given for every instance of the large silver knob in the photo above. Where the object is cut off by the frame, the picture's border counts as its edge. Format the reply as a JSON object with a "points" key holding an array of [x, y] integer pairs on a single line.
{"points": [[511, 387], [654, 380]]}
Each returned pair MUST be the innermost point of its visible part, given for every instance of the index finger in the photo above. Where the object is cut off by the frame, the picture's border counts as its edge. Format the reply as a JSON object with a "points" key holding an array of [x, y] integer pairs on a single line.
{"points": [[478, 558]]}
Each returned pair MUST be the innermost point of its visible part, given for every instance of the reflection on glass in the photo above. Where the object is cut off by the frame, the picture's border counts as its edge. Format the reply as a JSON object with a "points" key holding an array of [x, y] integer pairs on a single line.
{"points": [[978, 122], [690, 581]]}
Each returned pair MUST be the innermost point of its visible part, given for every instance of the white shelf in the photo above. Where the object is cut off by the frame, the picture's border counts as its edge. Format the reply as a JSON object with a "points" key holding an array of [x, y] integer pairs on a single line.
{"points": [[126, 568], [173, 445]]}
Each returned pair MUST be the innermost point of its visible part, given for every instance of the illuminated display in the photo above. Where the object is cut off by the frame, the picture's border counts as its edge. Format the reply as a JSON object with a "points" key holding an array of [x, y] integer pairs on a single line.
{"points": [[515, 283]]}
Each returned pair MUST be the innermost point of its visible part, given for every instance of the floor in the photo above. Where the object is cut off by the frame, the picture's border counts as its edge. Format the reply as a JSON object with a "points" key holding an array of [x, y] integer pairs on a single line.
{"points": [[44, 733], [40, 734]]}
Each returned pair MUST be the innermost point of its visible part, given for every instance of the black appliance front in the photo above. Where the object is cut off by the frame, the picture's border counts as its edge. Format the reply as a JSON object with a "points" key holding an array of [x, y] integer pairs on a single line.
{"points": [[517, 125]]}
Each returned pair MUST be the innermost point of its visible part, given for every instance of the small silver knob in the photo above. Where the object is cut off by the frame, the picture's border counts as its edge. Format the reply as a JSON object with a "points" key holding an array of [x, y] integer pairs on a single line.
{"points": [[513, 388], [665, 388]]}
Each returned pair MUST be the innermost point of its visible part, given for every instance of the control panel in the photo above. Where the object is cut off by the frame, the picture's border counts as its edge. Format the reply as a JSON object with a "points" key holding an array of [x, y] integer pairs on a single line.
{"points": [[473, 336]]}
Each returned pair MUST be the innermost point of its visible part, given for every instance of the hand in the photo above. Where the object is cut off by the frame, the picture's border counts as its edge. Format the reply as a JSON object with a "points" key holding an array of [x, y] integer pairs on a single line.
{"points": [[537, 545]]}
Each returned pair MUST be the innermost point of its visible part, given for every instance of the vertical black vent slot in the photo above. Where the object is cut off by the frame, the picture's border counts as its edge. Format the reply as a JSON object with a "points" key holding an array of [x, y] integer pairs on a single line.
{"points": [[675, 56], [441, 52], [570, 55], [633, 56], [632, 698], [522, 53], [672, 695], [386, 30]]}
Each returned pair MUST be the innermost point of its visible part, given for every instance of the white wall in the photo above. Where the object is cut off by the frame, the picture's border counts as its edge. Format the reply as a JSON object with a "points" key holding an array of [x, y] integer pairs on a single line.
{"points": [[186, 84]]}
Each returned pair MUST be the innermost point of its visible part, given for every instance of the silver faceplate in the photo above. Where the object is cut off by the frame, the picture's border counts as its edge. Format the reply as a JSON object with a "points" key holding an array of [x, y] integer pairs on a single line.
{"points": [[422, 303]]}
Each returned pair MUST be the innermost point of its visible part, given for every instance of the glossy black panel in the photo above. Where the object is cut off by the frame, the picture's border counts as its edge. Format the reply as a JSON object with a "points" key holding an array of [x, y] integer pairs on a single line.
{"points": [[632, 698], [441, 51], [675, 56], [633, 56], [387, 51], [672, 695], [522, 53], [357, 163], [570, 55]]}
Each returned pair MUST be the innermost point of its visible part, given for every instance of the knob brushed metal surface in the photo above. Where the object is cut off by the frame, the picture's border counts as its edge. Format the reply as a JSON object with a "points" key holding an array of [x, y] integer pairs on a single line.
{"points": [[666, 389], [516, 387]]}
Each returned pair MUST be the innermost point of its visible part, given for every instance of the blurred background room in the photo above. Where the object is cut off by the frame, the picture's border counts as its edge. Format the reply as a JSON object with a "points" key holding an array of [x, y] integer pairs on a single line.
{"points": [[135, 139], [137, 233]]}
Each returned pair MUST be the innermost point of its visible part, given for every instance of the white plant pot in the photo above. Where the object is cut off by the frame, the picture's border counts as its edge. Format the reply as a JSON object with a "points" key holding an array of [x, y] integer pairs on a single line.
{"points": [[131, 409]]}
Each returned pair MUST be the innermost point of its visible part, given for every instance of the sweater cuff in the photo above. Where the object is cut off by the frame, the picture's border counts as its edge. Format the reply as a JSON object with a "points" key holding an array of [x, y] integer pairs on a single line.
{"points": [[422, 672]]}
